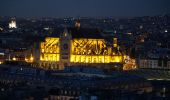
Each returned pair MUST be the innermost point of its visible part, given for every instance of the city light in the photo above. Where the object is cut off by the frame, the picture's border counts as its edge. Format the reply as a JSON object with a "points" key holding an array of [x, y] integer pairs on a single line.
{"points": [[1, 29], [12, 24], [84, 50], [1, 62], [14, 59], [2, 54], [50, 49], [31, 59]]}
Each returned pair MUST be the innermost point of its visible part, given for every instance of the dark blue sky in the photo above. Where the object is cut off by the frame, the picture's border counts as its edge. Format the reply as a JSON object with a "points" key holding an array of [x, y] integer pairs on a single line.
{"points": [[62, 8]]}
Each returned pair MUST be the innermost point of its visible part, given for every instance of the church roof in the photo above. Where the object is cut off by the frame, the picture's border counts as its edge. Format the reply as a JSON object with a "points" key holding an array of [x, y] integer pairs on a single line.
{"points": [[79, 33], [85, 33]]}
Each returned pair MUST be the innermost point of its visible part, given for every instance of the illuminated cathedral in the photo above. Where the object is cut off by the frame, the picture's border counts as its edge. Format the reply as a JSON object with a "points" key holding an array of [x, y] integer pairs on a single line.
{"points": [[12, 23], [79, 47]]}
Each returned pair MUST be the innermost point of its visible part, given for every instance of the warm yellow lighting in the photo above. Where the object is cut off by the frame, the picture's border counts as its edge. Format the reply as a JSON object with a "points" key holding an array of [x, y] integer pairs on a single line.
{"points": [[114, 45], [82, 50], [1, 62], [42, 50], [50, 50], [31, 58], [14, 59], [115, 42], [95, 59], [93, 51], [26, 59], [130, 64]]}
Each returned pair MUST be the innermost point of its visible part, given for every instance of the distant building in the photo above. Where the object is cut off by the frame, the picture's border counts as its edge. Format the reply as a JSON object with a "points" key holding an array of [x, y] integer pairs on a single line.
{"points": [[2, 56], [12, 23], [83, 47], [154, 63], [77, 24]]}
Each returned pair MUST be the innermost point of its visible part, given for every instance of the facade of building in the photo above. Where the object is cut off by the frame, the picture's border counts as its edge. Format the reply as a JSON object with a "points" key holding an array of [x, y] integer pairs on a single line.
{"points": [[154, 63], [78, 47], [12, 23]]}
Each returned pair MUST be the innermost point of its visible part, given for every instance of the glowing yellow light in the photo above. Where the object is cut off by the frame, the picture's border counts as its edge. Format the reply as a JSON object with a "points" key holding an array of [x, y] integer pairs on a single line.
{"points": [[41, 58], [14, 59], [93, 51], [94, 59], [1, 62], [82, 50], [114, 42], [26, 59], [130, 64], [50, 49], [117, 59], [42, 50], [31, 58]]}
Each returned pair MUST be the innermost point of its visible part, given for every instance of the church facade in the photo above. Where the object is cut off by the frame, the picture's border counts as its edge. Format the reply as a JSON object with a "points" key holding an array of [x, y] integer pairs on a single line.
{"points": [[79, 47]]}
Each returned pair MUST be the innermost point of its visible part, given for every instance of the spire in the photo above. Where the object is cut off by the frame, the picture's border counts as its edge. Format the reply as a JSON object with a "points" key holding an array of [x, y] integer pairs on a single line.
{"points": [[65, 30], [77, 24], [66, 33]]}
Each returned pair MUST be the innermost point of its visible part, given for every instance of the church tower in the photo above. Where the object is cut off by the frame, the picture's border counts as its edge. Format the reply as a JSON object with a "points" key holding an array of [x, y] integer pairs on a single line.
{"points": [[65, 46], [12, 23], [77, 24]]}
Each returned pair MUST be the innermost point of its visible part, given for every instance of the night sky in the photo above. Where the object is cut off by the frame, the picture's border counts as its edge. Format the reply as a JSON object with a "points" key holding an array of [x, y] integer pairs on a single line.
{"points": [[83, 8]]}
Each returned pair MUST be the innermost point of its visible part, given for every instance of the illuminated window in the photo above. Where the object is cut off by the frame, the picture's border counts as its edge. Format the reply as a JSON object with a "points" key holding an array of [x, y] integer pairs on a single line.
{"points": [[100, 60], [94, 60], [89, 60], [42, 50]]}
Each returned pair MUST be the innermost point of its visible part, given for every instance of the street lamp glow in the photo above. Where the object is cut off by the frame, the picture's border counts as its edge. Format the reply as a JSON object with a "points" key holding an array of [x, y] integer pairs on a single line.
{"points": [[14, 59]]}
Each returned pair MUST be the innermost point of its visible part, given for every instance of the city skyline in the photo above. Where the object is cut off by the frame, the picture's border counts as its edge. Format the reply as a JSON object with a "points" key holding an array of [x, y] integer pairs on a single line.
{"points": [[84, 50], [88, 8]]}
